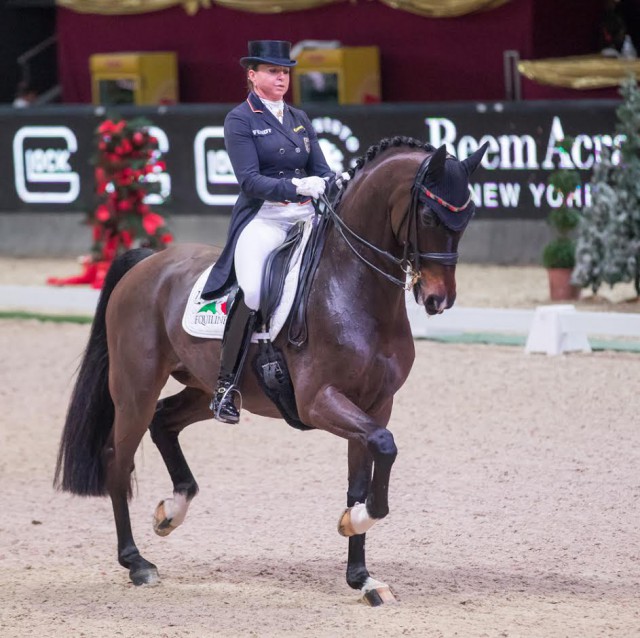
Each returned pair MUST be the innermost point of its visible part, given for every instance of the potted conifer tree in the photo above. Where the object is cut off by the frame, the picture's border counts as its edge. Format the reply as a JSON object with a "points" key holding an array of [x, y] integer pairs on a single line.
{"points": [[558, 256], [608, 246]]}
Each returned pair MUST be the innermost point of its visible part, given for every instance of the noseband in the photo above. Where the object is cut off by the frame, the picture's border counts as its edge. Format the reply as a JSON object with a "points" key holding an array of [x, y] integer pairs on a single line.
{"points": [[411, 258]]}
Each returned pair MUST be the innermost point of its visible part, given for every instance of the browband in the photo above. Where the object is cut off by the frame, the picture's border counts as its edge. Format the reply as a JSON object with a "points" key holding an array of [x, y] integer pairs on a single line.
{"points": [[442, 202]]}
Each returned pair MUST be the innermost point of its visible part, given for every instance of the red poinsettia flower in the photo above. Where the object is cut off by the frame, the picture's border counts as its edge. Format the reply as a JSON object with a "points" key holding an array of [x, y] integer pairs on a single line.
{"points": [[111, 247], [106, 127], [126, 153], [125, 177], [124, 205], [126, 147], [127, 238], [102, 213], [101, 181], [151, 222]]}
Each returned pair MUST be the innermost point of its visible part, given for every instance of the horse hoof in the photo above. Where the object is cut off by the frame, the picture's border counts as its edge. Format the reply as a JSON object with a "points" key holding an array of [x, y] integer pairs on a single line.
{"points": [[170, 514], [145, 576], [161, 524], [379, 596], [345, 528]]}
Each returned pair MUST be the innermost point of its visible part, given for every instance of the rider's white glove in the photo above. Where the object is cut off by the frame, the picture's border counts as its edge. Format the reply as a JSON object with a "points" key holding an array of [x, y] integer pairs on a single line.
{"points": [[309, 186], [338, 179]]}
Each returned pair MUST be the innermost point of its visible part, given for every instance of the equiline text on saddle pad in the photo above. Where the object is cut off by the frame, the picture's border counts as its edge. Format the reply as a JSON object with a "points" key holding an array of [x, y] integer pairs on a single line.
{"points": [[206, 318]]}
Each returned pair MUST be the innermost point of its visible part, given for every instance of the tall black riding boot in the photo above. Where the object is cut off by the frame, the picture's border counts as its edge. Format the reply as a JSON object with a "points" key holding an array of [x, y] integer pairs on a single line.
{"points": [[241, 321]]}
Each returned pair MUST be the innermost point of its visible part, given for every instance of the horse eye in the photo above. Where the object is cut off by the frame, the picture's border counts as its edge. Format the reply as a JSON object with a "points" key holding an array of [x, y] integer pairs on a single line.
{"points": [[429, 218]]}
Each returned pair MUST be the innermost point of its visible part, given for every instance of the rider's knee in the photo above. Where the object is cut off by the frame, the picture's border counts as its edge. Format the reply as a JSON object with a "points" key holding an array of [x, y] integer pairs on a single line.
{"points": [[252, 298]]}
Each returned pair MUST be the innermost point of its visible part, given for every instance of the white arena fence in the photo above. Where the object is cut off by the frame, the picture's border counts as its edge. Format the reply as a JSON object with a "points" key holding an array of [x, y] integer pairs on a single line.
{"points": [[550, 329]]}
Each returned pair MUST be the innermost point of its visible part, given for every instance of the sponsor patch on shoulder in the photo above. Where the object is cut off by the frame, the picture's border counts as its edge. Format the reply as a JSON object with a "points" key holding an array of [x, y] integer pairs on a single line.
{"points": [[265, 131]]}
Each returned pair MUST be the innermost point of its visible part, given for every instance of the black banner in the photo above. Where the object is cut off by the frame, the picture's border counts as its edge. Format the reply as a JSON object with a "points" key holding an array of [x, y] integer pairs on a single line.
{"points": [[45, 153]]}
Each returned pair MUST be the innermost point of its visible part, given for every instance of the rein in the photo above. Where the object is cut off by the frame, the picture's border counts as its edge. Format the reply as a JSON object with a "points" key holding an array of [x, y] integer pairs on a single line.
{"points": [[410, 261]]}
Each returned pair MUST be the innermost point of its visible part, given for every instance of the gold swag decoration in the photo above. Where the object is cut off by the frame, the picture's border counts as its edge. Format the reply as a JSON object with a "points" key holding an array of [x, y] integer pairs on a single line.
{"points": [[444, 8], [279, 6], [580, 71], [129, 7], [428, 8]]}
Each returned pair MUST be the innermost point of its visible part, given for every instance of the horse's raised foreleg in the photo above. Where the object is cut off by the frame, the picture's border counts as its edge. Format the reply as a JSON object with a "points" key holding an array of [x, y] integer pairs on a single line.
{"points": [[367, 499], [359, 518], [173, 414], [374, 592]]}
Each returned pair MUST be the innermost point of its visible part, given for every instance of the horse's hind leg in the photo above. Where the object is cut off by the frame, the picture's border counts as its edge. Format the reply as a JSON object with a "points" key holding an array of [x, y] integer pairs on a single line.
{"points": [[374, 592], [119, 468], [173, 414], [135, 403]]}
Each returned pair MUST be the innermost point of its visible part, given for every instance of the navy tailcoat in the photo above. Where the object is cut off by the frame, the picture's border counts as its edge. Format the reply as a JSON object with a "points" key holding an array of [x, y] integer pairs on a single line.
{"points": [[265, 156]]}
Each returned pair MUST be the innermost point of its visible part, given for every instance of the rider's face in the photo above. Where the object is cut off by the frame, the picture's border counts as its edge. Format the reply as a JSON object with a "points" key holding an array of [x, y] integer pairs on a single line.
{"points": [[269, 81]]}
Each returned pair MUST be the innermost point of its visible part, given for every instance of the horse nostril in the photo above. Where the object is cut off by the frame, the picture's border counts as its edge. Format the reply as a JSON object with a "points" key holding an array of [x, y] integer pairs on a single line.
{"points": [[433, 304]]}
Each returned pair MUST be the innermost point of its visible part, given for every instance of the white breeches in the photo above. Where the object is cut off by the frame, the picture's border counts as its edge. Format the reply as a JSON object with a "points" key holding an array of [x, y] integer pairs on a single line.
{"points": [[260, 237]]}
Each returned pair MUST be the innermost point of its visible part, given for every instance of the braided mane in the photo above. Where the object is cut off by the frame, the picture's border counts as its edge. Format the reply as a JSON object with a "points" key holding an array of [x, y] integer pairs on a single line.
{"points": [[384, 144]]}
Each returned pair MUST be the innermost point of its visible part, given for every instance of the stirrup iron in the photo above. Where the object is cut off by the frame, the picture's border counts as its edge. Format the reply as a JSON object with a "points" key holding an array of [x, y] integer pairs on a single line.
{"points": [[216, 404]]}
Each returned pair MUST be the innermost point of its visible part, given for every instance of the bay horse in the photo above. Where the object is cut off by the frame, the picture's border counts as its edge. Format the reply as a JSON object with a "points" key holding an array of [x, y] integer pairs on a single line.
{"points": [[358, 354]]}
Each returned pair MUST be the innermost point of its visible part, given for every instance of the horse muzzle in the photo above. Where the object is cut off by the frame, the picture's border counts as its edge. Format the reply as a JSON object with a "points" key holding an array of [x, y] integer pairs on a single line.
{"points": [[434, 303]]}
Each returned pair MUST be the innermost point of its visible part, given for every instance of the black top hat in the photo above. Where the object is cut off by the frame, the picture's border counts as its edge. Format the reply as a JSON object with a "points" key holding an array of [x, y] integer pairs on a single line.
{"points": [[269, 52]]}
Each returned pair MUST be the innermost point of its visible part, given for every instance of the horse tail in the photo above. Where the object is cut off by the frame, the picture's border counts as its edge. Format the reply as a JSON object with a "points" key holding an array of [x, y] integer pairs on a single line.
{"points": [[80, 468]]}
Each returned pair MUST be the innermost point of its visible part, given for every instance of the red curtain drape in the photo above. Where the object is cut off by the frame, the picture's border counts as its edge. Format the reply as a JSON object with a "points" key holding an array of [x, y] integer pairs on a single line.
{"points": [[422, 59]]}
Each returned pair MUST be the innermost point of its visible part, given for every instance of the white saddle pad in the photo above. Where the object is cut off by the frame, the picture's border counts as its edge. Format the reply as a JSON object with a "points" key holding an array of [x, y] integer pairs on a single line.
{"points": [[206, 318]]}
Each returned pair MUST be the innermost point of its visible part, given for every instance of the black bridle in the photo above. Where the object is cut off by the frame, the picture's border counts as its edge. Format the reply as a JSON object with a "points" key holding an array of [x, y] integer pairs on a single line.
{"points": [[411, 257]]}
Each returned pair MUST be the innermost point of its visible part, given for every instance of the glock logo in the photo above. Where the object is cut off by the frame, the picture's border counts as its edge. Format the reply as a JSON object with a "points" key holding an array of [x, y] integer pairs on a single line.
{"points": [[41, 156], [163, 178], [213, 168]]}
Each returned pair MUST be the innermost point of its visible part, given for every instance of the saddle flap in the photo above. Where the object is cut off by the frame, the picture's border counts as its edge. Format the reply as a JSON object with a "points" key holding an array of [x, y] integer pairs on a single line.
{"points": [[275, 272], [297, 335]]}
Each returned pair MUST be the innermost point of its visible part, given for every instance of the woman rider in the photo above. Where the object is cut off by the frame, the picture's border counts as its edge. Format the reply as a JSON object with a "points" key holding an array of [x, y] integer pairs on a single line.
{"points": [[280, 167]]}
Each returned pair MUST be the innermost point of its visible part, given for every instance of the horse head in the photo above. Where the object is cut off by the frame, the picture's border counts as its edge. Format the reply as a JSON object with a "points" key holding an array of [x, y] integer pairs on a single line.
{"points": [[442, 210]]}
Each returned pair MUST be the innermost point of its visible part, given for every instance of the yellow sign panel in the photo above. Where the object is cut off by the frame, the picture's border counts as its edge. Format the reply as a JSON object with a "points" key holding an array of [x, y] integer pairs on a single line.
{"points": [[345, 75], [138, 78]]}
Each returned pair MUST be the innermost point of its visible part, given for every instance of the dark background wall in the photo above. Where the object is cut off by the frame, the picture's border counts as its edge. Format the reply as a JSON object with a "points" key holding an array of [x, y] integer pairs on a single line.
{"points": [[22, 26], [422, 59]]}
